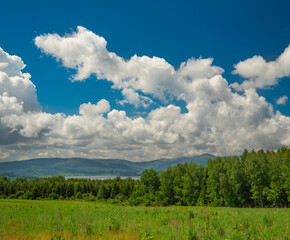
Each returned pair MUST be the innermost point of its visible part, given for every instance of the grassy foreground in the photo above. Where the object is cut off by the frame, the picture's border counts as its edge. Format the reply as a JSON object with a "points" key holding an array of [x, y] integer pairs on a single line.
{"points": [[24, 219]]}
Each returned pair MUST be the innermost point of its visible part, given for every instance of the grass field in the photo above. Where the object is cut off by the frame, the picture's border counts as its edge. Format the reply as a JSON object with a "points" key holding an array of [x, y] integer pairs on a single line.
{"points": [[24, 219]]}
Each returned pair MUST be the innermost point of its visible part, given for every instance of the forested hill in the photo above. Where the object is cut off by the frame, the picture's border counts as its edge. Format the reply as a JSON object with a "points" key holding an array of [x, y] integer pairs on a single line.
{"points": [[255, 179], [44, 167]]}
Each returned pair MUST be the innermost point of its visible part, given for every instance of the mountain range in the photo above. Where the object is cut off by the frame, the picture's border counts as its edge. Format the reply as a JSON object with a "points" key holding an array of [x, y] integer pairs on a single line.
{"points": [[44, 167]]}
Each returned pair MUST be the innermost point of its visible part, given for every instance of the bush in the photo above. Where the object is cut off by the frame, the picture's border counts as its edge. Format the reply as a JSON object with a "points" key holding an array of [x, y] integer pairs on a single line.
{"points": [[53, 196], [134, 201], [12, 196], [114, 201], [79, 195], [19, 194], [27, 195], [92, 198]]}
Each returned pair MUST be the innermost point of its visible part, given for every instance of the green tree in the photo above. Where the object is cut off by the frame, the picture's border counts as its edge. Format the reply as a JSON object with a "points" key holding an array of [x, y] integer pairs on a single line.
{"points": [[103, 192], [257, 174], [150, 179]]}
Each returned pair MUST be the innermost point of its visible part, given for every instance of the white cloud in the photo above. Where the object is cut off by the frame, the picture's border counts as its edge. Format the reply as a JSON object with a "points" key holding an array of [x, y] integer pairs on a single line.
{"points": [[282, 100], [88, 54], [217, 121], [10, 105], [11, 64], [169, 113], [17, 95], [16, 83], [261, 74], [134, 98], [92, 110]]}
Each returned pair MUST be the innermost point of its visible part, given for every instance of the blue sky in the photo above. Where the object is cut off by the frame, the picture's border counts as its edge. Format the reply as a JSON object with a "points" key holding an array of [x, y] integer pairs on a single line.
{"points": [[227, 31]]}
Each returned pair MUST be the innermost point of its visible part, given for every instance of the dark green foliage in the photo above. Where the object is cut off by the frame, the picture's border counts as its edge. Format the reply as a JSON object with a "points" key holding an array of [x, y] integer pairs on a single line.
{"points": [[256, 179], [53, 196], [79, 195], [150, 180], [27, 195], [103, 192], [19, 194]]}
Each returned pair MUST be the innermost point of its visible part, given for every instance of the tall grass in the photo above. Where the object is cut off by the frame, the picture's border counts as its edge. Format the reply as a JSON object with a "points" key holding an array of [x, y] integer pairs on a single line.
{"points": [[24, 219]]}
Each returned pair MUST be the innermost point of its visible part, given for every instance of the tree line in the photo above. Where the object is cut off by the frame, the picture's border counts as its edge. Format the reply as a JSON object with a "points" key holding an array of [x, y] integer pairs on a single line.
{"points": [[255, 179]]}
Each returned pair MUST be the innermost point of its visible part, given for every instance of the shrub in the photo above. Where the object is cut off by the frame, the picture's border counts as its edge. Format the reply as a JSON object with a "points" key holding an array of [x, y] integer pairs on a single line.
{"points": [[19, 194], [53, 196], [79, 195], [27, 195], [12, 196]]}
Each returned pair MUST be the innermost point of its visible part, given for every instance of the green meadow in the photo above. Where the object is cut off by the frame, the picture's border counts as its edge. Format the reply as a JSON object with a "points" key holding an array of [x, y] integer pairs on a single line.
{"points": [[35, 219]]}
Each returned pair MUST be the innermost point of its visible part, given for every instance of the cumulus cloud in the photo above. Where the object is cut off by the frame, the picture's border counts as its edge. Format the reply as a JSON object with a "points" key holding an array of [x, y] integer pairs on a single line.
{"points": [[134, 98], [93, 110], [261, 74], [15, 83], [217, 120], [87, 53], [282, 100], [17, 95]]}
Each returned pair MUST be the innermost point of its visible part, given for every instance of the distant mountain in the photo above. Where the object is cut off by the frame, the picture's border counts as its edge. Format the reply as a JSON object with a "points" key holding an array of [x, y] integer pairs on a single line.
{"points": [[44, 167], [162, 164]]}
